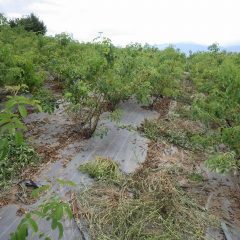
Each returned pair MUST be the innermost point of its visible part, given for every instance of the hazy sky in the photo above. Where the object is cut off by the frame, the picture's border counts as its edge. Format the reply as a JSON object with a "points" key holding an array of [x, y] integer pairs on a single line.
{"points": [[125, 21]]}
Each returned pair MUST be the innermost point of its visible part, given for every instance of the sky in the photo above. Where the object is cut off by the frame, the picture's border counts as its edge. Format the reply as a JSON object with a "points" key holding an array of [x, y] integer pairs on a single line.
{"points": [[143, 21]]}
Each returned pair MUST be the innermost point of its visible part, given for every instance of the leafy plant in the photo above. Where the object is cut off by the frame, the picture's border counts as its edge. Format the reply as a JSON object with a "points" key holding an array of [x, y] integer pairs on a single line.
{"points": [[14, 152], [11, 123], [222, 163], [46, 100], [52, 210]]}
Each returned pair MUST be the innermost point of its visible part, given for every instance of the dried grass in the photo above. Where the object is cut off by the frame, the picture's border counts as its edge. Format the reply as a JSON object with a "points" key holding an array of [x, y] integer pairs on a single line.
{"points": [[144, 205]]}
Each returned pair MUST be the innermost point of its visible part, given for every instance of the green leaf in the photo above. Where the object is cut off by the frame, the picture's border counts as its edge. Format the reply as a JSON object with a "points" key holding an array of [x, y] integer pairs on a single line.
{"points": [[39, 108], [22, 110], [13, 236], [54, 224], [40, 214], [68, 211], [59, 212], [60, 229], [18, 138], [45, 208], [36, 192], [33, 224], [22, 232]]}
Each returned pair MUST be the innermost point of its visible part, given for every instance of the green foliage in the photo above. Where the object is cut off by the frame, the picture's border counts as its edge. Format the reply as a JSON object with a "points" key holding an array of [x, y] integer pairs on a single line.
{"points": [[97, 76], [11, 124], [216, 79], [195, 177], [3, 20], [66, 182], [103, 169], [116, 115], [38, 191], [13, 159], [52, 210], [46, 100], [231, 137], [214, 48], [14, 153], [222, 163], [30, 23], [20, 59]]}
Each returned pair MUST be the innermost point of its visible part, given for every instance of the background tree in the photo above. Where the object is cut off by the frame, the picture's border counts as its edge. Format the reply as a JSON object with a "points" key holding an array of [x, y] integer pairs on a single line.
{"points": [[3, 19], [214, 48], [30, 23]]}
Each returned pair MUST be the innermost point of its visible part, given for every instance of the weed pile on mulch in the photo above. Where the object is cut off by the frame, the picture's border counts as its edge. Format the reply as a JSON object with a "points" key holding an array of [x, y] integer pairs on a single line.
{"points": [[183, 133], [144, 205]]}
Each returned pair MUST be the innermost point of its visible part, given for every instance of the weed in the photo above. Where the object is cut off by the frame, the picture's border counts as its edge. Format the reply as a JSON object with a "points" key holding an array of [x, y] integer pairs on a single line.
{"points": [[195, 177], [103, 169], [222, 163]]}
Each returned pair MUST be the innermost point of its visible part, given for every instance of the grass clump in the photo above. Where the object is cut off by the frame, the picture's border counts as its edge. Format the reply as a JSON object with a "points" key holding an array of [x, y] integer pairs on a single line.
{"points": [[103, 169], [147, 206], [222, 162], [195, 177]]}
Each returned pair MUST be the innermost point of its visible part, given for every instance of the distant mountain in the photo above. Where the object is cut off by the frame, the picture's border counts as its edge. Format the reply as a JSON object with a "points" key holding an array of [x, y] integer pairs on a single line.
{"points": [[186, 47], [232, 48]]}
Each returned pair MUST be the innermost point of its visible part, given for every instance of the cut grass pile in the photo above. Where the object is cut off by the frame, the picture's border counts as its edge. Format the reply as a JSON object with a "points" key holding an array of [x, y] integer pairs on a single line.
{"points": [[103, 169], [145, 205], [184, 133]]}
